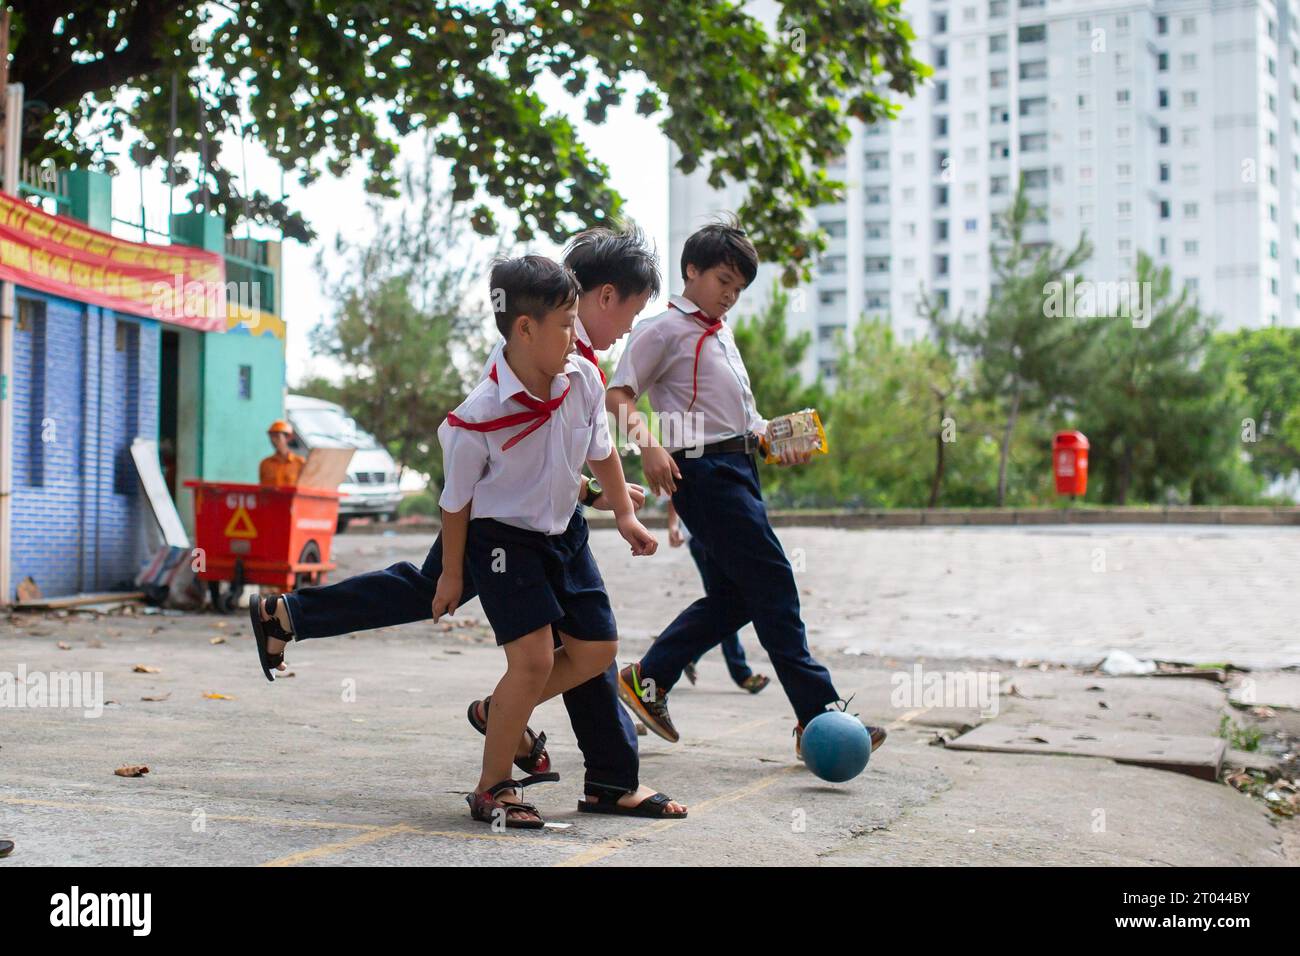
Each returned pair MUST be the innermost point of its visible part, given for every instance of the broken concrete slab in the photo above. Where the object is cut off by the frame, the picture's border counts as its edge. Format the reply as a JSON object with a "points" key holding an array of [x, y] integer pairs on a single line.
{"points": [[1279, 691], [1200, 757]]}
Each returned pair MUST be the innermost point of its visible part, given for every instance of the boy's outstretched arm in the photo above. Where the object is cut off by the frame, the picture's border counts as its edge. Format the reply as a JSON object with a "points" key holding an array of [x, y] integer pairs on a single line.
{"points": [[609, 472], [451, 583], [661, 472]]}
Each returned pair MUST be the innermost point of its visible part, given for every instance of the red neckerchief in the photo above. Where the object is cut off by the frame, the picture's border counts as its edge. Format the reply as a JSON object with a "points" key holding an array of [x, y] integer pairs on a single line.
{"points": [[538, 413], [589, 354], [709, 329]]}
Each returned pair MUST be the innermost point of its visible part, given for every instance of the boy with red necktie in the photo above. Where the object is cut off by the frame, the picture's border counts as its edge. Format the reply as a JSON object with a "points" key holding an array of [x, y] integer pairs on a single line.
{"points": [[619, 274], [513, 456], [687, 362]]}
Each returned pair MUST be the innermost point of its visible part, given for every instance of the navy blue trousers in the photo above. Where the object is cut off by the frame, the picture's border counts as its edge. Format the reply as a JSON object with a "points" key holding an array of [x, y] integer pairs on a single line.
{"points": [[747, 578], [403, 594], [732, 652]]}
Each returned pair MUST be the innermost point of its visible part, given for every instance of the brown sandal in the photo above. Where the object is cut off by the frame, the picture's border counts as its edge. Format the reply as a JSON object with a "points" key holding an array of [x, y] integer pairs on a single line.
{"points": [[486, 808], [536, 761]]}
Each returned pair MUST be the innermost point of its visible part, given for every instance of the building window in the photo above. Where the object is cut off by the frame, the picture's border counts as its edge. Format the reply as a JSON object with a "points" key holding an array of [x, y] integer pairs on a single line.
{"points": [[31, 321], [1190, 210], [997, 42], [1033, 70], [1189, 99], [1125, 210], [1122, 97], [1162, 62], [1085, 66], [1188, 26], [1164, 172]]}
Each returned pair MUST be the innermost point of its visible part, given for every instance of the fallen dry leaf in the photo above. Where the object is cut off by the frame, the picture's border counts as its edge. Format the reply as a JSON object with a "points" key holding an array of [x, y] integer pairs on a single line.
{"points": [[213, 695], [132, 770], [64, 646], [145, 669], [158, 698], [216, 640]]}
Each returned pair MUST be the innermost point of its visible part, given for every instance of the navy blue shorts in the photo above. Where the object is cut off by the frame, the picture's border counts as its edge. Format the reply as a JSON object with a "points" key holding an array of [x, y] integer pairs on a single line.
{"points": [[527, 580]]}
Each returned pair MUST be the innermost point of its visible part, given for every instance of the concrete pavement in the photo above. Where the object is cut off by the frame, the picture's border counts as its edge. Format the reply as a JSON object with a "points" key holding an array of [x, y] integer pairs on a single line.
{"points": [[363, 757]]}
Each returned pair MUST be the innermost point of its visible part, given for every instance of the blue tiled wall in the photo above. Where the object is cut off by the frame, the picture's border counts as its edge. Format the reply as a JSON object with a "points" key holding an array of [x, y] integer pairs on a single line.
{"points": [[78, 403]]}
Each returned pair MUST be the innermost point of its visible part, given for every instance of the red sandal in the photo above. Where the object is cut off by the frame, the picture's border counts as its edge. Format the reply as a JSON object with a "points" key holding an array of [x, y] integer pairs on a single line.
{"points": [[486, 808]]}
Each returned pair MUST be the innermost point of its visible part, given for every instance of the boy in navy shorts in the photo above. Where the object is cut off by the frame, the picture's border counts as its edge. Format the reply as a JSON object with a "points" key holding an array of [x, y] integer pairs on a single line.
{"points": [[619, 274], [687, 362], [513, 455]]}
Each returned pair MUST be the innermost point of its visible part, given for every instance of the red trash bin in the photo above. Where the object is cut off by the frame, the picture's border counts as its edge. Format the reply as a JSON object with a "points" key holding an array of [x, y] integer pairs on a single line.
{"points": [[1070, 463]]}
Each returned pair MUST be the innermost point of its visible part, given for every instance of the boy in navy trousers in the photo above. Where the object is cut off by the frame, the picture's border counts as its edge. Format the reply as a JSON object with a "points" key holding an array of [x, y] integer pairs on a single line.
{"points": [[686, 360], [619, 274]]}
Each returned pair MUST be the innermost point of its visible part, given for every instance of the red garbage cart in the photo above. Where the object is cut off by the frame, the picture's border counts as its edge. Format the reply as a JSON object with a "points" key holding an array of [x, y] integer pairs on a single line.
{"points": [[257, 534]]}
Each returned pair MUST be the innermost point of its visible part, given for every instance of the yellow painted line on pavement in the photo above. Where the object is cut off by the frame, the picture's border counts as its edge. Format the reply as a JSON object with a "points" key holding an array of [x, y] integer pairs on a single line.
{"points": [[361, 839], [611, 846], [910, 715]]}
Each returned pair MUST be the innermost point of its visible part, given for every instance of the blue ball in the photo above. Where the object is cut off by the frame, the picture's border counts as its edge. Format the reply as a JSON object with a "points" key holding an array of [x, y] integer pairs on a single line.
{"points": [[836, 746]]}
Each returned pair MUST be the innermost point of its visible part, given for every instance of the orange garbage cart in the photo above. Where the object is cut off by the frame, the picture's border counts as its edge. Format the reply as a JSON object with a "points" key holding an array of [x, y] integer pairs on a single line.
{"points": [[256, 534]]}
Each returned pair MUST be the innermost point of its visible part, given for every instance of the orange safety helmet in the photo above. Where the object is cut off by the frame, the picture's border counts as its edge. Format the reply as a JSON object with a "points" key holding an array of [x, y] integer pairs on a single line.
{"points": [[280, 425]]}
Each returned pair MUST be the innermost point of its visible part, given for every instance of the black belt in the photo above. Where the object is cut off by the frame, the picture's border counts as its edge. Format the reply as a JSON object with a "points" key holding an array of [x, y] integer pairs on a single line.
{"points": [[741, 444]]}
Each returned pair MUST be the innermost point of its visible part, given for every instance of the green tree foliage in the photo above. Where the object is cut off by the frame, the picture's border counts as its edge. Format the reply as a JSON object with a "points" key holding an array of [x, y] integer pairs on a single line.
{"points": [[1021, 352], [330, 83], [1161, 409], [1269, 362], [407, 330]]}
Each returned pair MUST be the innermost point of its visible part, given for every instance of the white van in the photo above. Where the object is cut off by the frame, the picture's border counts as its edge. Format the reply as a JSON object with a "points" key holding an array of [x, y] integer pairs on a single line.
{"points": [[371, 487]]}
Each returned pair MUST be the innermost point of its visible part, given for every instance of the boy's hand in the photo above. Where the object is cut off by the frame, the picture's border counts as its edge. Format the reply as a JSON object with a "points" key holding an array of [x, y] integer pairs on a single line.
{"points": [[635, 534], [660, 470], [792, 457], [634, 491], [447, 596], [675, 537]]}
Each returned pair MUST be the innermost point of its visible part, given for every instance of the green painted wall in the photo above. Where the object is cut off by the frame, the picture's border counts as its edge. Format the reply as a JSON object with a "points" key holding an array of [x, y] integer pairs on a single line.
{"points": [[234, 428]]}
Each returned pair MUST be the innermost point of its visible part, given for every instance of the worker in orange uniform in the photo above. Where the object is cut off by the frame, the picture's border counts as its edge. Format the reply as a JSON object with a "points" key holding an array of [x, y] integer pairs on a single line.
{"points": [[280, 470]]}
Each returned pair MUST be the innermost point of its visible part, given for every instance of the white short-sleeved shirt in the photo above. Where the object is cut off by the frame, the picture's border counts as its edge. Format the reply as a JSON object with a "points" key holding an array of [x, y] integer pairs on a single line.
{"points": [[660, 360], [534, 484]]}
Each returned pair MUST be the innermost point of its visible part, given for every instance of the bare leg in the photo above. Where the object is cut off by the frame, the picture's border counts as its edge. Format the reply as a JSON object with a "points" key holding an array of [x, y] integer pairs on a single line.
{"points": [[576, 663], [528, 665]]}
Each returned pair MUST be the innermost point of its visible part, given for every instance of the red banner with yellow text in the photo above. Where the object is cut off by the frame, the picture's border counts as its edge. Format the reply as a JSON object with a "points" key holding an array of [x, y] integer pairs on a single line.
{"points": [[176, 284]]}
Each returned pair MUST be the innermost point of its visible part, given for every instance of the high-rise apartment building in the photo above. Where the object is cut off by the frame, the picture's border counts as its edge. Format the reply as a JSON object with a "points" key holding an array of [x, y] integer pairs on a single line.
{"points": [[1170, 127]]}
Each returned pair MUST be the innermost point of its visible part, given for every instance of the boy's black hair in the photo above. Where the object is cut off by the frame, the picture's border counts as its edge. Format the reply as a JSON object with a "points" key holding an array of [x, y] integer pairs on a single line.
{"points": [[532, 286], [721, 242], [621, 257]]}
